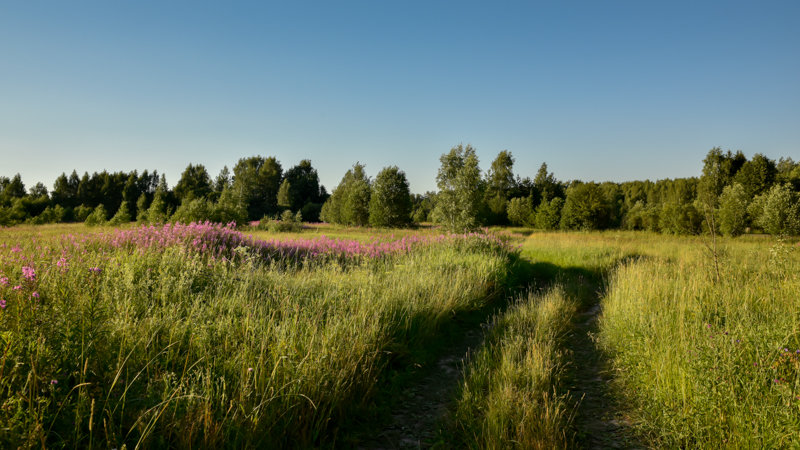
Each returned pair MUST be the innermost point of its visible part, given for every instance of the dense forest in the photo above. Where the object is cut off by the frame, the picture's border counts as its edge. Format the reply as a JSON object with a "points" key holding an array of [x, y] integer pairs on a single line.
{"points": [[733, 195]]}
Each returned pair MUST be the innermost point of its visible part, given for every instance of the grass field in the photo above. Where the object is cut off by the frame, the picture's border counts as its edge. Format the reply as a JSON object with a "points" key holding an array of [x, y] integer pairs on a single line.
{"points": [[205, 337]]}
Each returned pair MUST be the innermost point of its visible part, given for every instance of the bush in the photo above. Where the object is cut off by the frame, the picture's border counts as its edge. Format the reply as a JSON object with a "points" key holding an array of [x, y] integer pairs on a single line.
{"points": [[122, 216], [195, 210], [98, 216], [82, 213], [288, 222]]}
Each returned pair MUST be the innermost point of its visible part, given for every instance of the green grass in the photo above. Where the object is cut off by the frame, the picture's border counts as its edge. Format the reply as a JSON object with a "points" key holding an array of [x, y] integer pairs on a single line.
{"points": [[701, 361], [511, 391], [171, 349]]}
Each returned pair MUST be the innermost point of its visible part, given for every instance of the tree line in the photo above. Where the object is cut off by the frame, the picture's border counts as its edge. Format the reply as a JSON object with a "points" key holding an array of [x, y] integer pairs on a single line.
{"points": [[733, 195]]}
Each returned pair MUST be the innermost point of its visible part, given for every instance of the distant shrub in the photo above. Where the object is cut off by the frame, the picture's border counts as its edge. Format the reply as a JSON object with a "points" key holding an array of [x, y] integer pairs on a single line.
{"points": [[289, 222], [194, 210], [97, 217], [122, 216], [82, 212]]}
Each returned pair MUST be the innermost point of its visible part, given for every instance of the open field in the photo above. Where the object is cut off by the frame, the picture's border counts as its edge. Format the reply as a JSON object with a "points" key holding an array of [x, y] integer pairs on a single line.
{"points": [[203, 336]]}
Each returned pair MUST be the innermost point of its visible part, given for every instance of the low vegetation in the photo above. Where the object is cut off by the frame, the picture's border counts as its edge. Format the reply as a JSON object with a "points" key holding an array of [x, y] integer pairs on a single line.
{"points": [[199, 335]]}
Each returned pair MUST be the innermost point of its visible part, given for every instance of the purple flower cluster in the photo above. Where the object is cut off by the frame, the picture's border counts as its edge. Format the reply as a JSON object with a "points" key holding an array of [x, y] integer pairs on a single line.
{"points": [[220, 241]]}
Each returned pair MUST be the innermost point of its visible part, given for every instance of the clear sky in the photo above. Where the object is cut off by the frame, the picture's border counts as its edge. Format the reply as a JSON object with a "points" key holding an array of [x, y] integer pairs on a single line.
{"points": [[600, 90]]}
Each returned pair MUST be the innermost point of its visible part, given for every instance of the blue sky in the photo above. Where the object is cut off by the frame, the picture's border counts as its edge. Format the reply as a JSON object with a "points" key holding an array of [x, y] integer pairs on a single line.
{"points": [[599, 90]]}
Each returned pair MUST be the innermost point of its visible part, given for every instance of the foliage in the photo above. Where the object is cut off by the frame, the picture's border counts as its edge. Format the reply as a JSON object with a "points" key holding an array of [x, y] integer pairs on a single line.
{"points": [[460, 189], [122, 216], [499, 185], [304, 185], [733, 205], [194, 183], [548, 214], [256, 181], [98, 217], [585, 208], [349, 202], [520, 211], [680, 218], [158, 212], [284, 195], [390, 200], [195, 210], [777, 211]]}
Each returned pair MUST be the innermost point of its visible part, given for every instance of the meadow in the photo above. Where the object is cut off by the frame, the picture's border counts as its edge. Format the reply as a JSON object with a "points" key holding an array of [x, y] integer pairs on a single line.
{"points": [[207, 336]]}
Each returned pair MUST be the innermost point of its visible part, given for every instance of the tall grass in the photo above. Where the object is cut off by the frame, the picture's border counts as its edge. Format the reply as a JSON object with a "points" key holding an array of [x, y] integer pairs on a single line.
{"points": [[510, 396], [705, 363], [105, 345]]}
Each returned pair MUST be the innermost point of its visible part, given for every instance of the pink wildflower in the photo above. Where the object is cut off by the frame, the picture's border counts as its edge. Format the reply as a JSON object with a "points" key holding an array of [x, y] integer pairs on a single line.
{"points": [[28, 273], [2, 303], [3, 281]]}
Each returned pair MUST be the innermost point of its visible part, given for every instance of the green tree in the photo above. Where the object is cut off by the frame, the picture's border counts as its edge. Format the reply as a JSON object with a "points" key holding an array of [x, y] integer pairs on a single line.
{"points": [[230, 207], [355, 205], [304, 182], [756, 175], [194, 210], [520, 211], [284, 195], [585, 208], [548, 214], [158, 211], [777, 211], [256, 181], [122, 216], [460, 189], [141, 208], [390, 200], [546, 184], [733, 205], [499, 185], [97, 217], [194, 183], [718, 171]]}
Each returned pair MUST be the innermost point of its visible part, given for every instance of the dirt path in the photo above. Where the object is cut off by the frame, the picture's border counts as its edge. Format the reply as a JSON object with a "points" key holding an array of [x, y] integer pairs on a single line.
{"points": [[598, 423], [415, 421], [424, 402]]}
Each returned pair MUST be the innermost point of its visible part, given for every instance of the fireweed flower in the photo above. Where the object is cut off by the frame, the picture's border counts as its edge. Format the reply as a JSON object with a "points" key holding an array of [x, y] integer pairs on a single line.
{"points": [[17, 287], [95, 270], [35, 294], [28, 273], [3, 281], [2, 303]]}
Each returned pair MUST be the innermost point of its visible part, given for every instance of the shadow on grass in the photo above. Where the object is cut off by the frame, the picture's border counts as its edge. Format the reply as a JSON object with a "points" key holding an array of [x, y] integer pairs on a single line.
{"points": [[413, 395], [599, 421], [423, 373]]}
